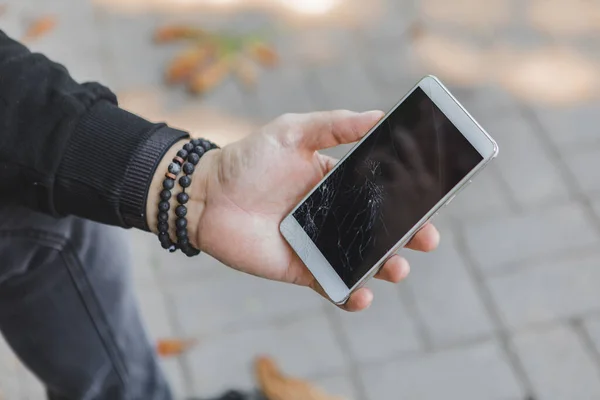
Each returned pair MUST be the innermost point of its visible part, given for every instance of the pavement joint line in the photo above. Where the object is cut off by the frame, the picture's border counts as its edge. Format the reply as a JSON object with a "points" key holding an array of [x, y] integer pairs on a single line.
{"points": [[501, 333], [583, 334]]}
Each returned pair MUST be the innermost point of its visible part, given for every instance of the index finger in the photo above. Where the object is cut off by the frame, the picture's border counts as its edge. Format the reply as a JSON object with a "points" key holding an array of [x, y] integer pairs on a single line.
{"points": [[427, 239], [323, 130]]}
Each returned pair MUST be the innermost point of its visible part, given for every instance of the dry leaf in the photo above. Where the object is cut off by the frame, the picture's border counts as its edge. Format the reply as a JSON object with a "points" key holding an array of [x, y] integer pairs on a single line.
{"points": [[171, 33], [210, 77], [183, 66], [246, 71], [276, 386], [264, 54], [174, 347], [39, 28]]}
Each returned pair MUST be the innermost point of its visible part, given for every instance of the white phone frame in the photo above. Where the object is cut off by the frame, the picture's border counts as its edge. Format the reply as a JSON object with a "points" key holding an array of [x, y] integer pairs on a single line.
{"points": [[315, 261]]}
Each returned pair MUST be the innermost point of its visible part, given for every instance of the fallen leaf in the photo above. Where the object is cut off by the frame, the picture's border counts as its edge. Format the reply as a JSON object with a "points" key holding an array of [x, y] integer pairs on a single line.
{"points": [[264, 54], [172, 33], [210, 77], [39, 28], [246, 71], [276, 386], [183, 66], [174, 347]]}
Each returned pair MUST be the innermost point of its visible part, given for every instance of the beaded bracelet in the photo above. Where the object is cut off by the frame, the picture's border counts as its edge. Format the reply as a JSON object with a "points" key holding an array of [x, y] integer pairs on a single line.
{"points": [[200, 147], [185, 160], [165, 196]]}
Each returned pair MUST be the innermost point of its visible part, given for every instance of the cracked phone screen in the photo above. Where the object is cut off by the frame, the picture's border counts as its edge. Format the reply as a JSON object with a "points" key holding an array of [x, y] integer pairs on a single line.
{"points": [[386, 186]]}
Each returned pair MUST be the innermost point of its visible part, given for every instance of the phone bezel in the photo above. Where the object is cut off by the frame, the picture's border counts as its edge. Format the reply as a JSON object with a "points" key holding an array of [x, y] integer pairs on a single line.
{"points": [[324, 273]]}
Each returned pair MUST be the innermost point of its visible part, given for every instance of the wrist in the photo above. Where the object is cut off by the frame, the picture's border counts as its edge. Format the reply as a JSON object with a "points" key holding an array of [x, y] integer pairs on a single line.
{"points": [[197, 194]]}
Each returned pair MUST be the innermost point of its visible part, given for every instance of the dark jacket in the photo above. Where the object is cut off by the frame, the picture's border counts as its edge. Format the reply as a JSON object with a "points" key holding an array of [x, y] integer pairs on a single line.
{"points": [[67, 148]]}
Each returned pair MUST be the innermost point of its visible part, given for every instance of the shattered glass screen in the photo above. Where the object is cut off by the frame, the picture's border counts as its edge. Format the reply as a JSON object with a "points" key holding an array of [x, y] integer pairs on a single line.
{"points": [[395, 177]]}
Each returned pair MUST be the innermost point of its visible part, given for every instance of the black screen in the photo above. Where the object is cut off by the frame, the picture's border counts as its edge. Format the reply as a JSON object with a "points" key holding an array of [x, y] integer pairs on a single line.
{"points": [[388, 183]]}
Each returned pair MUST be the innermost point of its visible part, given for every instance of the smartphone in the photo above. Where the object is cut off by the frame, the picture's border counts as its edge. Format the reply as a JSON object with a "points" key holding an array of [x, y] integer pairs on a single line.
{"points": [[389, 185]]}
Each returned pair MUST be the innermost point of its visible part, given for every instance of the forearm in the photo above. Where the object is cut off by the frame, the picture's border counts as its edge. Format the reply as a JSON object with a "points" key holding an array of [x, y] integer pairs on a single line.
{"points": [[67, 149]]}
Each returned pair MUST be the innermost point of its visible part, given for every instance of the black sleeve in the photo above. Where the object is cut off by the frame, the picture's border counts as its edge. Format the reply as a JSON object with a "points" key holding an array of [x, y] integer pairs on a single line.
{"points": [[67, 148]]}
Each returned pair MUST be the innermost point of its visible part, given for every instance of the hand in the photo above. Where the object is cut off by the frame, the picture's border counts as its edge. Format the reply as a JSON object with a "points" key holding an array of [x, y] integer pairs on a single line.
{"points": [[243, 192]]}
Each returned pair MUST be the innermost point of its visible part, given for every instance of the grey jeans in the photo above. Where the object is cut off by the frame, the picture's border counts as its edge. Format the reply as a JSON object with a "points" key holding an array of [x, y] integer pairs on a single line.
{"points": [[68, 310]]}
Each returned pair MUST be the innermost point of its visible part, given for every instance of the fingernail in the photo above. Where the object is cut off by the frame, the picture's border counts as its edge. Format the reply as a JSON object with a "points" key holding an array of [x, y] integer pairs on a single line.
{"points": [[374, 113], [405, 270]]}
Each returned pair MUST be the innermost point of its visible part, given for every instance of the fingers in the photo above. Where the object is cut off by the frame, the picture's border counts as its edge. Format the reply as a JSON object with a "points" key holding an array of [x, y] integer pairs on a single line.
{"points": [[327, 163], [327, 129], [427, 239], [394, 270]]}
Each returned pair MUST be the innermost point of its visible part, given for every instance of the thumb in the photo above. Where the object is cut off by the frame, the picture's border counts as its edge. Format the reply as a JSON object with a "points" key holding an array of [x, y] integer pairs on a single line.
{"points": [[327, 129]]}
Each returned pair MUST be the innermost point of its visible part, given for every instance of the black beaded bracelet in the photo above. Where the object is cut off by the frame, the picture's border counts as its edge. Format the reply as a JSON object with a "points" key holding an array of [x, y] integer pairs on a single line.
{"points": [[185, 160], [164, 205], [198, 147]]}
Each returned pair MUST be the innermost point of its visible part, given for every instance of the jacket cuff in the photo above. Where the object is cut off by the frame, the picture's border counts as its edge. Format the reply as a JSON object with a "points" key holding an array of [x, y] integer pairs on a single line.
{"points": [[109, 164]]}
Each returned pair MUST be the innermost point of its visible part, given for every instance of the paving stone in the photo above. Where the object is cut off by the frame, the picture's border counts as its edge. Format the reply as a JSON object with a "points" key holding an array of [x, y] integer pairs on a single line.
{"points": [[10, 387], [592, 325], [135, 62], [174, 374], [177, 268], [572, 126], [558, 364], [282, 91], [347, 86], [529, 171], [31, 387], [513, 239], [394, 20], [142, 246], [303, 347], [548, 291], [476, 372], [155, 312], [382, 330], [483, 198], [80, 53], [445, 295], [339, 385], [237, 301], [585, 165]]}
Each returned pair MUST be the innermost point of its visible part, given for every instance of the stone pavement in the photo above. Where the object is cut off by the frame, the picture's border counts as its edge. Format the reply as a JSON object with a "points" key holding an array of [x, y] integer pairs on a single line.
{"points": [[508, 307]]}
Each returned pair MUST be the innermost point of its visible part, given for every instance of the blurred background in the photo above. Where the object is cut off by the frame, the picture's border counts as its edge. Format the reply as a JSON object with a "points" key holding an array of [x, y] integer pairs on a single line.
{"points": [[508, 307]]}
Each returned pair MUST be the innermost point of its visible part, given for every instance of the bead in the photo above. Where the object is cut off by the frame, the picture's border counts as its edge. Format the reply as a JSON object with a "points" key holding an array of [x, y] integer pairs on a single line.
{"points": [[188, 147], [183, 198], [185, 181], [196, 142], [178, 160], [169, 183], [182, 154], [163, 236], [191, 252], [163, 227], [188, 168], [199, 150], [174, 168], [181, 211], [181, 233], [163, 216], [165, 194], [173, 248], [181, 223], [193, 158], [206, 144], [183, 241], [166, 245], [164, 206]]}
